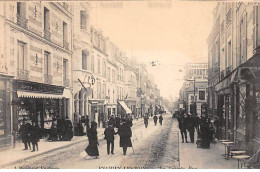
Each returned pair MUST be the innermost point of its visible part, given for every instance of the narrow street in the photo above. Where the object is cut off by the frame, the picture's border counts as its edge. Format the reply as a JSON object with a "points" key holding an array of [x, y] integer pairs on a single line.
{"points": [[154, 147]]}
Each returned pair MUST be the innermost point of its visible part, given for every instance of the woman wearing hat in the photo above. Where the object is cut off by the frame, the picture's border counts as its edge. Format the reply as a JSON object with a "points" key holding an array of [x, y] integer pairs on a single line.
{"points": [[125, 134], [92, 149]]}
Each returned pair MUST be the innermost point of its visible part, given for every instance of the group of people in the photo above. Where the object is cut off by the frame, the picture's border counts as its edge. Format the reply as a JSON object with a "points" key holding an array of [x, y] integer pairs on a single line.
{"points": [[192, 123], [30, 134], [124, 131], [155, 119]]}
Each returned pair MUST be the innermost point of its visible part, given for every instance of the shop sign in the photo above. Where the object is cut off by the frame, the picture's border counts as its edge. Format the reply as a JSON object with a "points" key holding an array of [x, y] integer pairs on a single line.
{"points": [[42, 88]]}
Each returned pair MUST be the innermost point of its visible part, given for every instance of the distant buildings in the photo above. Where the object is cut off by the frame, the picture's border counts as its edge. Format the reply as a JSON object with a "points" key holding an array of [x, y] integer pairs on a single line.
{"points": [[193, 93], [55, 64]]}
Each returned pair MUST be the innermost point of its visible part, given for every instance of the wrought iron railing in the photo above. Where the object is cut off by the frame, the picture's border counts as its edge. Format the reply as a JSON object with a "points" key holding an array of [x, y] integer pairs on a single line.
{"points": [[22, 21], [23, 74]]}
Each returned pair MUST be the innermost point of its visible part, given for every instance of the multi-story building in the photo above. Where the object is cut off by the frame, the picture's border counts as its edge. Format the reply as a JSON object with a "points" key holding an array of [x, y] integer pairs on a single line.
{"points": [[193, 93], [35, 64], [233, 72]]}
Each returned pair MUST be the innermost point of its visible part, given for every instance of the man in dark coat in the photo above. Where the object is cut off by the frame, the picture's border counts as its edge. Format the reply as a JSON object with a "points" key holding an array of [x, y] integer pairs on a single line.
{"points": [[190, 123], [112, 120], [160, 119], [109, 136], [35, 135], [92, 148], [118, 120], [146, 119], [24, 132], [155, 118], [125, 134], [182, 128]]}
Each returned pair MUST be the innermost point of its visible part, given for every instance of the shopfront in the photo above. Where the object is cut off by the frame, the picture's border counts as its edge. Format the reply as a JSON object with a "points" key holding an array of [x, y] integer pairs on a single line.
{"points": [[5, 111], [97, 111], [39, 102], [123, 109]]}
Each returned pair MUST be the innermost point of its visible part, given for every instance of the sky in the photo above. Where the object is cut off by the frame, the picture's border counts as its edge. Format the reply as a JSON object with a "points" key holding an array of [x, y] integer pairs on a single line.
{"points": [[170, 32]]}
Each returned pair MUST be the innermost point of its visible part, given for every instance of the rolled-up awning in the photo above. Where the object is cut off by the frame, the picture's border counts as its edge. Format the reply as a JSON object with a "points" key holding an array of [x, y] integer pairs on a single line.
{"points": [[122, 103], [38, 95]]}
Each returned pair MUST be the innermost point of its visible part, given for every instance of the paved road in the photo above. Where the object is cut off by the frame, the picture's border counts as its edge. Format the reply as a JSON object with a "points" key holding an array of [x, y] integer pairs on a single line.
{"points": [[154, 147]]}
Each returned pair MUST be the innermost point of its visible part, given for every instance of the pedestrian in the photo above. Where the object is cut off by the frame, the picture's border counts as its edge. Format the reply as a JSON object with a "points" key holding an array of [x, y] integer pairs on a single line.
{"points": [[130, 120], [155, 118], [24, 132], [160, 119], [109, 136], [112, 120], [125, 134], [190, 123], [146, 119], [35, 135], [92, 148], [118, 120], [182, 128], [205, 132]]}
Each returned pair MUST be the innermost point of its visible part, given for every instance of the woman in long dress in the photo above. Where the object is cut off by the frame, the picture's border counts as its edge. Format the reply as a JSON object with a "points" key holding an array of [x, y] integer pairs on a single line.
{"points": [[92, 149]]}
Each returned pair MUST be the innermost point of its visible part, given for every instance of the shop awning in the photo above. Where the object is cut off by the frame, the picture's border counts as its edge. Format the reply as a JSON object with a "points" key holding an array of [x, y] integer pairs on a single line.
{"points": [[38, 95], [122, 103]]}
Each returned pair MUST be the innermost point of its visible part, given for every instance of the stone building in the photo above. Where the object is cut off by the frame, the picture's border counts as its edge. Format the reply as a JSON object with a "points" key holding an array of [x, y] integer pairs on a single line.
{"points": [[35, 64]]}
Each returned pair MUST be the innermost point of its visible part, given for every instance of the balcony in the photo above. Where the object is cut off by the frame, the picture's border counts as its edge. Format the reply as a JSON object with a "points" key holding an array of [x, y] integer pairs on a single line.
{"points": [[23, 74], [66, 45], [66, 82], [47, 35], [47, 79], [22, 21]]}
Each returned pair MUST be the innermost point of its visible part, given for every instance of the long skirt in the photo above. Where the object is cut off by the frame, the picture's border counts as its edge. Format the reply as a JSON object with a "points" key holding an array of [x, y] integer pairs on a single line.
{"points": [[125, 142], [92, 149], [205, 140]]}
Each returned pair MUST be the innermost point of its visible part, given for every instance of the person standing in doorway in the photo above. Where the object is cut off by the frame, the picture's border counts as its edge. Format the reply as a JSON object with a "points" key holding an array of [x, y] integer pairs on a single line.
{"points": [[125, 134], [109, 136], [155, 119]]}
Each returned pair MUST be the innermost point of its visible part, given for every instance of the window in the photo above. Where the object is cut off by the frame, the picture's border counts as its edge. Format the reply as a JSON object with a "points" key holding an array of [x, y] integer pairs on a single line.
{"points": [[99, 71], [99, 90], [84, 59], [202, 95], [108, 73], [229, 56], [46, 63], [92, 64], [21, 56], [65, 66], [104, 69], [21, 14], [83, 20], [113, 75], [65, 35], [46, 19]]}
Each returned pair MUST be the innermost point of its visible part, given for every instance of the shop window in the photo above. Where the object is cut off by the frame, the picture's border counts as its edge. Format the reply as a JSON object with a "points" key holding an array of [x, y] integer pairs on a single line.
{"points": [[242, 112], [202, 95]]}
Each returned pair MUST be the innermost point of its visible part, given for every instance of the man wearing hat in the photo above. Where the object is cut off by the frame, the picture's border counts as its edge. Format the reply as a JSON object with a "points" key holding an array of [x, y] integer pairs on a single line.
{"points": [[125, 134], [24, 132], [109, 136]]}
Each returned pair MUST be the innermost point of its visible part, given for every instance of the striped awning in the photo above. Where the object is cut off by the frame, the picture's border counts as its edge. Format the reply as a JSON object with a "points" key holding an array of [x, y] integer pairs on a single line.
{"points": [[38, 95], [123, 104]]}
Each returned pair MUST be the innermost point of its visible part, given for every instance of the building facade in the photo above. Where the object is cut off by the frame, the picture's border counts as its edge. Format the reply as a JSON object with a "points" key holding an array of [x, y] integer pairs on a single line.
{"points": [[233, 72]]}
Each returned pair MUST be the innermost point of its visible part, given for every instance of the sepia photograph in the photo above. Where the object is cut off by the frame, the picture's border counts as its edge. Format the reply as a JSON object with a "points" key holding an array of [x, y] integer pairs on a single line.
{"points": [[128, 84]]}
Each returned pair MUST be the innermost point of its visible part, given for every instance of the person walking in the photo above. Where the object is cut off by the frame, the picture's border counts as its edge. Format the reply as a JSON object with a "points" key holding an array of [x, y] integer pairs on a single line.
{"points": [[92, 148], [160, 119], [155, 118], [24, 132], [146, 119], [125, 134], [35, 135], [109, 136], [182, 128], [205, 132]]}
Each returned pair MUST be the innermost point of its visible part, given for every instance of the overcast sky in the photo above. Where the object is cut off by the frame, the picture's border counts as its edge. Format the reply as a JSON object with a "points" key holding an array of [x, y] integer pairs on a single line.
{"points": [[170, 32]]}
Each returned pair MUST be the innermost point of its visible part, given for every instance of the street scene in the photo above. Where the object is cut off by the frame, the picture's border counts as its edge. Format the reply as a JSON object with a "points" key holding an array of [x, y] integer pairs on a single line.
{"points": [[129, 85]]}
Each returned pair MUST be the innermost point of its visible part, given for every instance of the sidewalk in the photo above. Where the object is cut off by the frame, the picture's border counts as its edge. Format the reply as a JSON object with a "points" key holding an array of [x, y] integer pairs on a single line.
{"points": [[198, 158], [12, 155]]}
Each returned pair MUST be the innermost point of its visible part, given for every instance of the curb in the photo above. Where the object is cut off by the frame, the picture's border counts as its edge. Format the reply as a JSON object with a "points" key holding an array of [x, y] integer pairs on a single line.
{"points": [[56, 149]]}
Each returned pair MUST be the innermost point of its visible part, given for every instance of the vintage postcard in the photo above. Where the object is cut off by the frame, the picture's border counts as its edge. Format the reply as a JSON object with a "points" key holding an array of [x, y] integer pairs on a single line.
{"points": [[162, 84]]}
